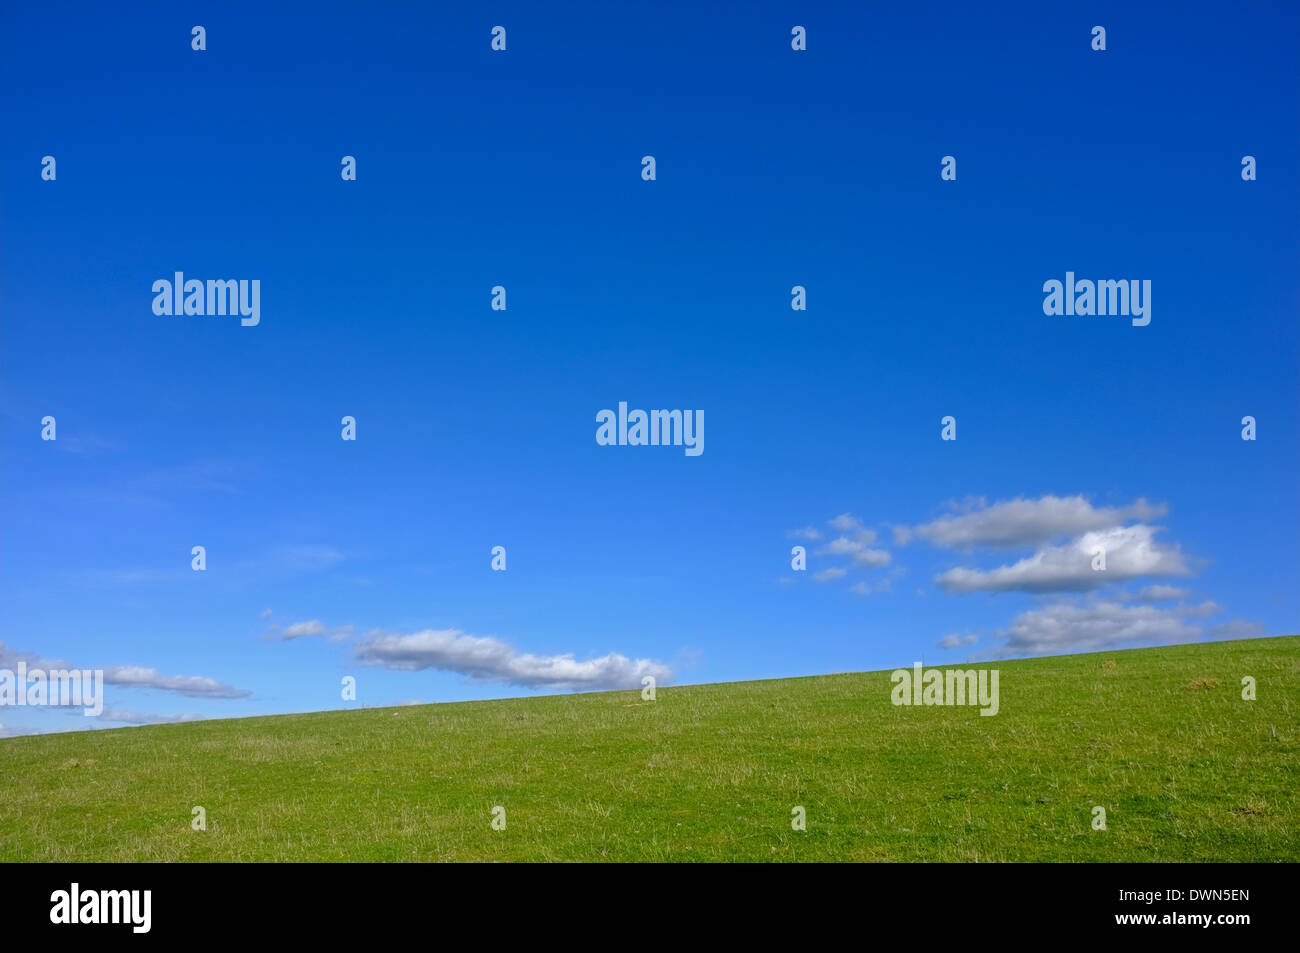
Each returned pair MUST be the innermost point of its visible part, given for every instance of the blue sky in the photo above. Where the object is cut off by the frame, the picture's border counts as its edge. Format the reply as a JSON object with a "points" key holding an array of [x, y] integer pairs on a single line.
{"points": [[475, 427]]}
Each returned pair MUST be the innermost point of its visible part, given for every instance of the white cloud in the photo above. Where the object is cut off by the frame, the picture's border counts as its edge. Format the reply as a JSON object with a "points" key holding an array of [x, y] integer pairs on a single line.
{"points": [[298, 630], [489, 659], [873, 558], [826, 575], [132, 676], [1022, 521], [1131, 552], [119, 716], [840, 547], [843, 546], [1094, 627], [806, 532], [882, 583], [846, 523], [195, 686], [1160, 593], [1238, 629], [956, 641]]}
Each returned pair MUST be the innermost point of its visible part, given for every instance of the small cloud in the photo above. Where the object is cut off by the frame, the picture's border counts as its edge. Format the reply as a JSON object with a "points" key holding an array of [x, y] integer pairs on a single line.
{"points": [[807, 532], [1160, 593], [874, 558], [1022, 521], [957, 641], [828, 574], [842, 546], [488, 659], [298, 629], [195, 686], [119, 716], [1237, 629], [266, 613], [846, 523]]}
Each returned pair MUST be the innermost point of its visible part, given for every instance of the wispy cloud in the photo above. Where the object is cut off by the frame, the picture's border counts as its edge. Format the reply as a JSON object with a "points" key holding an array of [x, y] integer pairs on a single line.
{"points": [[827, 575], [854, 543], [285, 560], [1237, 629], [132, 676], [1161, 593], [846, 523], [487, 659], [200, 476], [125, 717], [956, 641], [298, 630], [1027, 521], [194, 686]]}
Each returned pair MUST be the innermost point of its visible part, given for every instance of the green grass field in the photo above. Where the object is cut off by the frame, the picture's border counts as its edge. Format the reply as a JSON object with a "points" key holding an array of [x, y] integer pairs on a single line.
{"points": [[1160, 738]]}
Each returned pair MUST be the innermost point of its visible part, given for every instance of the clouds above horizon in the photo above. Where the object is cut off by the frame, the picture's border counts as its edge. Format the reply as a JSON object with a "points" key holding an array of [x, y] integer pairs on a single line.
{"points": [[133, 676], [193, 686], [1160, 593], [126, 717], [1095, 627], [1023, 521], [483, 658], [1063, 536], [855, 543], [299, 630], [956, 641], [1131, 552]]}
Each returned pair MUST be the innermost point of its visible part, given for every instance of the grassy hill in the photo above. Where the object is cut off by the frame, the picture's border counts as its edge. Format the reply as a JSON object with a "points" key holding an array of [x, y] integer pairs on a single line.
{"points": [[1160, 738]]}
